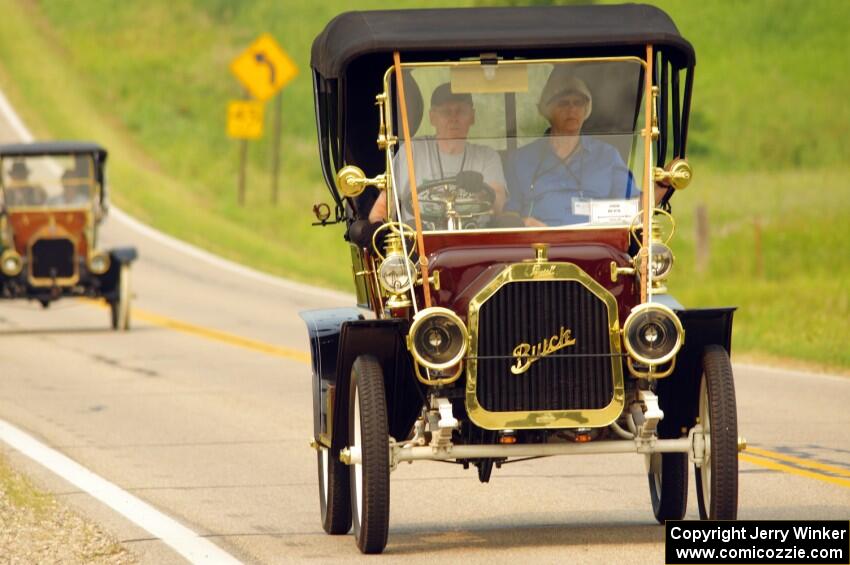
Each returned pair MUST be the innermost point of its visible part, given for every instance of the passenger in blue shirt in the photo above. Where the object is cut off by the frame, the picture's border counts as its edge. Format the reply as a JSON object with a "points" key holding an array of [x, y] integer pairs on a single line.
{"points": [[552, 180]]}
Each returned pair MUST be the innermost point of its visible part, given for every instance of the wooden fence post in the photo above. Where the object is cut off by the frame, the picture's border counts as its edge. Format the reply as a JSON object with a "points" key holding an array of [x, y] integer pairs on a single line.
{"points": [[702, 239], [757, 247], [278, 113]]}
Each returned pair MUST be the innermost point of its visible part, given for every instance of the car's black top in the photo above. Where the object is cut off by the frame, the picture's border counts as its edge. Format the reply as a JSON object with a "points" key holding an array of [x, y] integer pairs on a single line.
{"points": [[38, 148], [352, 53], [455, 32]]}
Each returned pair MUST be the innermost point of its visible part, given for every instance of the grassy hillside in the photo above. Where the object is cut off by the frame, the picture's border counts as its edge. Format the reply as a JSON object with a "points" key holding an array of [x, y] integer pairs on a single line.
{"points": [[150, 81], [793, 295]]}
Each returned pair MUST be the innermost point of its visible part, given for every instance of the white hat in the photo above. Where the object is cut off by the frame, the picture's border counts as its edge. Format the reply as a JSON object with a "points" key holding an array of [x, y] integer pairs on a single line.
{"points": [[560, 82]]}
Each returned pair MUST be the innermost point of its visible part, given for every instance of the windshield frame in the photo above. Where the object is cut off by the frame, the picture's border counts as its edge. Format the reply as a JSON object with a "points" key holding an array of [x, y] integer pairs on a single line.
{"points": [[395, 137], [91, 200]]}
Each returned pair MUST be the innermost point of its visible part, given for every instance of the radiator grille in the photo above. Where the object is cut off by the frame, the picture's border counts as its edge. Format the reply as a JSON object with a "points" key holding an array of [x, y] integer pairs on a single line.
{"points": [[577, 377], [53, 258]]}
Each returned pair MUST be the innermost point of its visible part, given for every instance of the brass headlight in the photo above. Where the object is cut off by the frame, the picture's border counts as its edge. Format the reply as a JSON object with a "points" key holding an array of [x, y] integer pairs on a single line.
{"points": [[11, 263], [99, 262], [660, 260], [396, 273], [653, 334], [438, 338]]}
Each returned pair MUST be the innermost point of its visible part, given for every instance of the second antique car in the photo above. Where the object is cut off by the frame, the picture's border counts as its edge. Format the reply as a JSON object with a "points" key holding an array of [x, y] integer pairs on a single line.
{"points": [[53, 201], [505, 177]]}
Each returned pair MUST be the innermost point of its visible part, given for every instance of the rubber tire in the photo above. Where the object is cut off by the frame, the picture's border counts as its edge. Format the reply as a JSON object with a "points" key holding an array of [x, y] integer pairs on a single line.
{"points": [[334, 492], [668, 485], [120, 308], [370, 509], [717, 482]]}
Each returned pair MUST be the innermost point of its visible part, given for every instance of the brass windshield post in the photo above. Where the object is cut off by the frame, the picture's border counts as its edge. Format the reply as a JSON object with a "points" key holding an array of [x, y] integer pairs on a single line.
{"points": [[655, 132], [384, 140], [648, 195], [405, 126]]}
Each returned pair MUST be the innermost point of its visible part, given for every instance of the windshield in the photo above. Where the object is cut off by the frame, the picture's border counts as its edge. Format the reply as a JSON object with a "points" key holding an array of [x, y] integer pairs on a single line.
{"points": [[48, 181], [535, 144]]}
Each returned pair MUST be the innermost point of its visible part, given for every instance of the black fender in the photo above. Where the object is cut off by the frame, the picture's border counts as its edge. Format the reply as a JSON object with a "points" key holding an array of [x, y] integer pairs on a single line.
{"points": [[123, 255], [323, 329], [678, 394], [118, 257], [383, 339]]}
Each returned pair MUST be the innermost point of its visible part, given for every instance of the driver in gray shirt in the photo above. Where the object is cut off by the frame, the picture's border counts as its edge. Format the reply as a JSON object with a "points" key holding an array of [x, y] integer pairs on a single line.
{"points": [[447, 153]]}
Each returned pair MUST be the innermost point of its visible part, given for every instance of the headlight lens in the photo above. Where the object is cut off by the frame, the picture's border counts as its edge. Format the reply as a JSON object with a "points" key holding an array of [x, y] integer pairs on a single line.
{"points": [[661, 260], [653, 334], [438, 338], [99, 263], [393, 273], [11, 263]]}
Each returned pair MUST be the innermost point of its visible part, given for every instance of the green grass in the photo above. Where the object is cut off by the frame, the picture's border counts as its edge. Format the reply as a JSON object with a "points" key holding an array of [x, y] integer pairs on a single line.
{"points": [[21, 493], [770, 82], [794, 295], [175, 173], [150, 80], [34, 521]]}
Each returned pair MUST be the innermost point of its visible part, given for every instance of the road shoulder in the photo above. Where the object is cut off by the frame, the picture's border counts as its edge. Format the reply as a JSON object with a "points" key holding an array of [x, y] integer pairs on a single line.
{"points": [[37, 528]]}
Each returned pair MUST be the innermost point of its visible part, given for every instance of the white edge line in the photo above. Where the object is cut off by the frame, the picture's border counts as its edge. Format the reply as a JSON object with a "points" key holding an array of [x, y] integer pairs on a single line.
{"points": [[183, 540], [14, 120], [180, 538]]}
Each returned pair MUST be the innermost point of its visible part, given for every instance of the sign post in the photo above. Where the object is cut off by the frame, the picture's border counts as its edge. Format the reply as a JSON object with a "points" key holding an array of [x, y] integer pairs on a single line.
{"points": [[244, 122], [264, 69], [278, 111]]}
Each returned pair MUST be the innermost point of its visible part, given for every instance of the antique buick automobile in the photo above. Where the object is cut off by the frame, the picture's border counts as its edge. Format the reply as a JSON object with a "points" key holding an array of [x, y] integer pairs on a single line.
{"points": [[54, 198], [505, 178]]}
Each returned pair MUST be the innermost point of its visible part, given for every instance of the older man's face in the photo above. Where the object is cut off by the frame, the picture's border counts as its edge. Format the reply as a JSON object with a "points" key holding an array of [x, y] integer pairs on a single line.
{"points": [[452, 120], [567, 113]]}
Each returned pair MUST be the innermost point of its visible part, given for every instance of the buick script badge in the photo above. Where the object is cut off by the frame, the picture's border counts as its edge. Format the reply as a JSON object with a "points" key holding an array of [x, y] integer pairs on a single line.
{"points": [[525, 354]]}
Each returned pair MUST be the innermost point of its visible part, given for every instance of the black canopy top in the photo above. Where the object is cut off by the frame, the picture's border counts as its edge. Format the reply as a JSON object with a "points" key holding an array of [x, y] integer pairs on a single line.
{"points": [[40, 148], [461, 31]]}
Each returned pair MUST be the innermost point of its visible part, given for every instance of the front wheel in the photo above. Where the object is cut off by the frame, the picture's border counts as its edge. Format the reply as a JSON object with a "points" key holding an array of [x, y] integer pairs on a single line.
{"points": [[120, 307], [334, 493], [368, 433], [717, 478], [668, 485]]}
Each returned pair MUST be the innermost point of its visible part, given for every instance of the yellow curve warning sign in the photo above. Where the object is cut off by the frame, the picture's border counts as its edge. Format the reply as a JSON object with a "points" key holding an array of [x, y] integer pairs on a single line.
{"points": [[264, 68]]}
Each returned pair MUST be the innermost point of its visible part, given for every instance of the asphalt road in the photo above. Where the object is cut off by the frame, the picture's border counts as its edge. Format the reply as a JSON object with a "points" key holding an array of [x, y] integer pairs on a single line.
{"points": [[203, 410]]}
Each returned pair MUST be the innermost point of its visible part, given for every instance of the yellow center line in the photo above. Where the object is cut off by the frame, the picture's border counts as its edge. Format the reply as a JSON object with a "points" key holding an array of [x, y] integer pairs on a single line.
{"points": [[215, 335], [799, 461], [224, 337], [770, 464]]}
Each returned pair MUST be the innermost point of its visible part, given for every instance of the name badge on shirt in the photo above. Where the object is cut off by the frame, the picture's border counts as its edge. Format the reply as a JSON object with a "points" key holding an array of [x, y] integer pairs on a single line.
{"points": [[613, 211], [581, 206]]}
